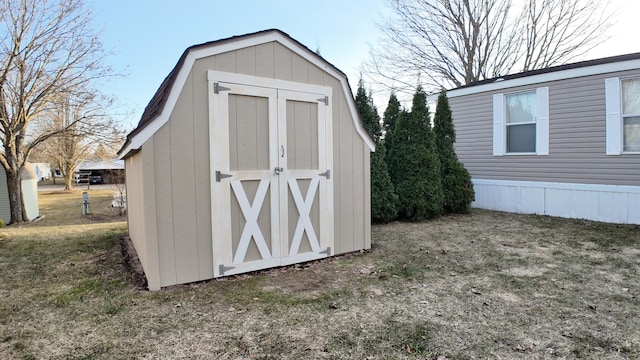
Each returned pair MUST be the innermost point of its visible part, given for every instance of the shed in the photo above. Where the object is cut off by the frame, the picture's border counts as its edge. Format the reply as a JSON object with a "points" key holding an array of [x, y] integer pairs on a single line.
{"points": [[561, 141], [250, 155], [29, 185], [43, 170]]}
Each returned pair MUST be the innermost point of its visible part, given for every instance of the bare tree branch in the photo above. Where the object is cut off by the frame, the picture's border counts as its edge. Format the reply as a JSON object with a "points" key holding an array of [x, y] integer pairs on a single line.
{"points": [[450, 43], [74, 130], [48, 51]]}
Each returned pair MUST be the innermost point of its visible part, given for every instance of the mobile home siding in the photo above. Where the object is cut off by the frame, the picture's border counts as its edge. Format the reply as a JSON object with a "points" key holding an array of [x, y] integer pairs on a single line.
{"points": [[179, 152], [576, 137], [5, 210]]}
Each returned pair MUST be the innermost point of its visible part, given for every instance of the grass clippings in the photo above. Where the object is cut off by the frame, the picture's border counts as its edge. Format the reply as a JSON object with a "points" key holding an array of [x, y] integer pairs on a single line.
{"points": [[486, 285]]}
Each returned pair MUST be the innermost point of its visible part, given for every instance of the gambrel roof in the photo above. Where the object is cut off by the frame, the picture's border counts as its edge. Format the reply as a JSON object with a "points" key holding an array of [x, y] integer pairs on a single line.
{"points": [[159, 108]]}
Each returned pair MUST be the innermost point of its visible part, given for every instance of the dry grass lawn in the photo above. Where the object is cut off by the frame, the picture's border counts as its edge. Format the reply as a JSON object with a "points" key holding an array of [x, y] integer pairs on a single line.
{"points": [[486, 285]]}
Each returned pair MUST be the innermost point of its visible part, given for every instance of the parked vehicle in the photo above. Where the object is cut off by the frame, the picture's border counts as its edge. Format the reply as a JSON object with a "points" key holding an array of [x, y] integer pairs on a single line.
{"points": [[82, 177], [95, 179]]}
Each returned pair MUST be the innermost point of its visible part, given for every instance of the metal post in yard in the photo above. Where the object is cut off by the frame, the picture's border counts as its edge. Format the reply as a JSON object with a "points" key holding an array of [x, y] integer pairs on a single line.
{"points": [[85, 203]]}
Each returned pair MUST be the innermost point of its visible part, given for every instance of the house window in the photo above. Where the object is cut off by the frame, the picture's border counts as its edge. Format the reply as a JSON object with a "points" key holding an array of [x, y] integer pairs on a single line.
{"points": [[631, 115], [521, 122]]}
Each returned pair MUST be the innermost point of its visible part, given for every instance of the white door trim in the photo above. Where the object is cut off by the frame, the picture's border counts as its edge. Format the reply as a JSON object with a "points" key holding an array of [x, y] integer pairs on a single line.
{"points": [[224, 261], [304, 221], [278, 92], [251, 212]]}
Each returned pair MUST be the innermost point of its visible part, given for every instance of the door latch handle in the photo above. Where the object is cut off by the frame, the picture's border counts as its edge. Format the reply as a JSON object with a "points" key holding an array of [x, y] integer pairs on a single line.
{"points": [[278, 170]]}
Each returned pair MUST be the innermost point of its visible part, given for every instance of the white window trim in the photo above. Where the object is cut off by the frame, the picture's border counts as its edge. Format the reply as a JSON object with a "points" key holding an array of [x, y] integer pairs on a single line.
{"points": [[542, 124], [615, 116], [613, 105]]}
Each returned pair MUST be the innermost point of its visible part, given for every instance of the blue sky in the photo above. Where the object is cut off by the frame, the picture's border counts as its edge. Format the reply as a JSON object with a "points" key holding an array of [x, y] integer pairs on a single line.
{"points": [[148, 36]]}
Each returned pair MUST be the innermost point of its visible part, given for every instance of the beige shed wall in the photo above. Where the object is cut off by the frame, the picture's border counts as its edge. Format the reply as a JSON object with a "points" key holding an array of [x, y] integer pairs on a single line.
{"points": [[135, 204], [141, 213], [181, 172]]}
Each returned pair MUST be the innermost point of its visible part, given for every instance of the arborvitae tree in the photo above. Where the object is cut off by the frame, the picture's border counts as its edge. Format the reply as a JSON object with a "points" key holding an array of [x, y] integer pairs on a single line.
{"points": [[390, 120], [383, 196], [456, 180], [368, 113], [397, 149], [415, 167], [384, 200]]}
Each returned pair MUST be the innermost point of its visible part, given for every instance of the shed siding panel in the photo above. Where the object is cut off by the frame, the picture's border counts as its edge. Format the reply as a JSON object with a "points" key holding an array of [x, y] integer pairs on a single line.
{"points": [[202, 174], [357, 174], [135, 206], [282, 59], [343, 162], [316, 76], [265, 60], [367, 196], [299, 69], [183, 185], [226, 62], [146, 183], [164, 205], [5, 210], [246, 60], [576, 137]]}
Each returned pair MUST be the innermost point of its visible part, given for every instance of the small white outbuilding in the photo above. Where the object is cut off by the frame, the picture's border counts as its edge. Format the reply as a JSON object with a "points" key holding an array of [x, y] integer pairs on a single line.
{"points": [[250, 155], [29, 183]]}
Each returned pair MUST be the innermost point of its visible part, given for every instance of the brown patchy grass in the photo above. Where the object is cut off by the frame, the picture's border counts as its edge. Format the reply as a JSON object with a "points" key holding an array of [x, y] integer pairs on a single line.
{"points": [[486, 285]]}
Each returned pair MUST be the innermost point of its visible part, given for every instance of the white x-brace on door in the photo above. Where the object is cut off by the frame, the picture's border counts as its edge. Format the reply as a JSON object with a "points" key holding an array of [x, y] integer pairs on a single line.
{"points": [[272, 198]]}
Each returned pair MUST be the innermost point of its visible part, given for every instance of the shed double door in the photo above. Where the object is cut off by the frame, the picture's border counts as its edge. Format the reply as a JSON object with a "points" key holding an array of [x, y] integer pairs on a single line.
{"points": [[271, 178]]}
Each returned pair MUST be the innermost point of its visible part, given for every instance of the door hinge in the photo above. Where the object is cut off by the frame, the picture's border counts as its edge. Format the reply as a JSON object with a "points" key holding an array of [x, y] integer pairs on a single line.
{"points": [[324, 100], [225, 268], [220, 176], [217, 88], [327, 251], [326, 174]]}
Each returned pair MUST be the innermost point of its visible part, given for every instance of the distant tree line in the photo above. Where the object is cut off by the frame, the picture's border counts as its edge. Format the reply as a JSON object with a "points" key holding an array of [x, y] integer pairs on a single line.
{"points": [[415, 172]]}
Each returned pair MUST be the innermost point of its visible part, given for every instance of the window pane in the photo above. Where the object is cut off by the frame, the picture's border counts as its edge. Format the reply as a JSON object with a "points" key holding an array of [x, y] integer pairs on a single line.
{"points": [[521, 138], [521, 108], [631, 96], [632, 134]]}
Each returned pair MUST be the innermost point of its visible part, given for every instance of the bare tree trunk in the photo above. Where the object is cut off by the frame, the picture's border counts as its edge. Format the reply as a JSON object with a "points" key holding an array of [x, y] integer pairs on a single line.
{"points": [[68, 181], [67, 170], [48, 52], [16, 205]]}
